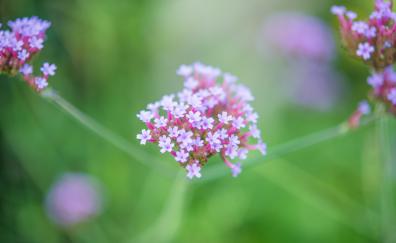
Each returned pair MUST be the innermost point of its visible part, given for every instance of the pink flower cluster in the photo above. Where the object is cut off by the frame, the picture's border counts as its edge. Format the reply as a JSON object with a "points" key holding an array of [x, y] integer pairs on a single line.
{"points": [[210, 116], [373, 41], [19, 45]]}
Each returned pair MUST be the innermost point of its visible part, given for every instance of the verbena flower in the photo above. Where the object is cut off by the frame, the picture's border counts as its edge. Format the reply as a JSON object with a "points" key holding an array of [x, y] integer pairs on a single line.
{"points": [[211, 117], [74, 198], [373, 41], [19, 44]]}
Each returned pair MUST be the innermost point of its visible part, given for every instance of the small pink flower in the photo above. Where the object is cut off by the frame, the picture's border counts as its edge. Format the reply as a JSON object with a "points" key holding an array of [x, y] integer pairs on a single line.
{"points": [[144, 136], [48, 69], [365, 50], [338, 10], [193, 170]]}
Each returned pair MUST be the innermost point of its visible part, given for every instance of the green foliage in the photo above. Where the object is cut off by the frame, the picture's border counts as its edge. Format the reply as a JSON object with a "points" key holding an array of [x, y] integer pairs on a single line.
{"points": [[113, 58]]}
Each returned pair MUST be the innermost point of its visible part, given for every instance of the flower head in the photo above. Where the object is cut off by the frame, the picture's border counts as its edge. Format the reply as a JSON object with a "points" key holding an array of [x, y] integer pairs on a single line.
{"points": [[211, 117], [19, 45], [392, 96], [371, 39]]}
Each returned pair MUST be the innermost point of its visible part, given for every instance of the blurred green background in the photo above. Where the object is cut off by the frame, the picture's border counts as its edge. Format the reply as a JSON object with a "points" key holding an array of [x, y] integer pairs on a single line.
{"points": [[113, 58]]}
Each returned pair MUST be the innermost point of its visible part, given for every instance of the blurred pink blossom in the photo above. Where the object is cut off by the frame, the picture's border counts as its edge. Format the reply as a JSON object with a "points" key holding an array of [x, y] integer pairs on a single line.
{"points": [[299, 35], [314, 86], [73, 198]]}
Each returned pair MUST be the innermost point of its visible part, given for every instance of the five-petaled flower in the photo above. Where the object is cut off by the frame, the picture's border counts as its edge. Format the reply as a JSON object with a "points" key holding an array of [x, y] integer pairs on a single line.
{"points": [[364, 50], [144, 136]]}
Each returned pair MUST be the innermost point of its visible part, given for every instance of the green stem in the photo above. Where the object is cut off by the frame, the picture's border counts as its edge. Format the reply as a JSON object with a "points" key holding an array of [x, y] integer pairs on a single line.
{"points": [[315, 192], [106, 134], [387, 192], [217, 171], [165, 227], [214, 171]]}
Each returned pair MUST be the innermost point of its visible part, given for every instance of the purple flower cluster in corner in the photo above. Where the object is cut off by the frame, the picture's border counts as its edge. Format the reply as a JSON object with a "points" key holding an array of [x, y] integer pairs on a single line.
{"points": [[19, 45], [373, 41], [210, 116]]}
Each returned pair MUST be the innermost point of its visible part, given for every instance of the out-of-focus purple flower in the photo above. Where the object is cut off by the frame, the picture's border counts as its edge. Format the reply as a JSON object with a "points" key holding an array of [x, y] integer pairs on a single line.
{"points": [[314, 86], [299, 35], [74, 198], [307, 44]]}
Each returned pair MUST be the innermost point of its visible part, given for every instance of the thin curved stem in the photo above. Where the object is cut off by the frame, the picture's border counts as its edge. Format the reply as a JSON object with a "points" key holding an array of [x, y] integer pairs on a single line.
{"points": [[119, 142], [169, 220], [212, 172], [215, 172], [316, 193]]}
